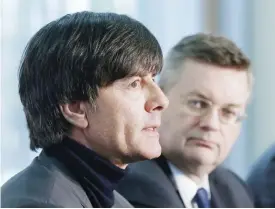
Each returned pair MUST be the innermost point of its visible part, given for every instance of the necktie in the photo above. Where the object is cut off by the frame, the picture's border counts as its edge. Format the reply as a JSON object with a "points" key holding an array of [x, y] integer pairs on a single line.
{"points": [[201, 198]]}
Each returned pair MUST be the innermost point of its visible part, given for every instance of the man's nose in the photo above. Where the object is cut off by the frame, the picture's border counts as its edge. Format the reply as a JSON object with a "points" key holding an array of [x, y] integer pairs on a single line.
{"points": [[210, 121], [156, 99]]}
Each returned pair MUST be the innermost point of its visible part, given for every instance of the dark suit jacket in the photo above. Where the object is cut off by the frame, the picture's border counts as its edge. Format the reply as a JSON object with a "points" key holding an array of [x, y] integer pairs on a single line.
{"points": [[151, 184], [262, 179], [47, 183]]}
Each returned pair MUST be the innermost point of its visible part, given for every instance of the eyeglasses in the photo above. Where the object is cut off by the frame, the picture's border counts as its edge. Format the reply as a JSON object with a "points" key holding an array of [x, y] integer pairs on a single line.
{"points": [[200, 107]]}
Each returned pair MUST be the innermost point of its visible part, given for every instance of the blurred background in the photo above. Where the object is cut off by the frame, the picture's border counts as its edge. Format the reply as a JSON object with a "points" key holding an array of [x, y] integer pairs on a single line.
{"points": [[250, 23]]}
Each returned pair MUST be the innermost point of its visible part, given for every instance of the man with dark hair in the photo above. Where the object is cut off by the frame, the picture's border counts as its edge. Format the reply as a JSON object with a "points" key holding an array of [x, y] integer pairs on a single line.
{"points": [[208, 81], [86, 83]]}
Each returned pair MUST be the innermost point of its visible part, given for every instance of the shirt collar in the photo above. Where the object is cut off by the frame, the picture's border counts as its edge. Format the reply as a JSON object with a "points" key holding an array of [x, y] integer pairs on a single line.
{"points": [[187, 187]]}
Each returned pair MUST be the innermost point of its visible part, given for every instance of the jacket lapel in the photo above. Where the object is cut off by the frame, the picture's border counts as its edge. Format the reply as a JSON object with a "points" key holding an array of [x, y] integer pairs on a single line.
{"points": [[219, 193], [163, 164], [216, 198]]}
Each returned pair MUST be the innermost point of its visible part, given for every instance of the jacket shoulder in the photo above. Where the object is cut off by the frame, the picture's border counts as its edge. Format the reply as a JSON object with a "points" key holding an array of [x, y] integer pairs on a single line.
{"points": [[261, 179], [226, 176], [120, 201], [43, 183], [143, 175], [228, 183], [146, 185]]}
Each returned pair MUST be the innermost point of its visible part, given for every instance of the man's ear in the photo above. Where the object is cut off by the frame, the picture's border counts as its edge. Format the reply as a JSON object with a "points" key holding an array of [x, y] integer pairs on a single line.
{"points": [[75, 113]]}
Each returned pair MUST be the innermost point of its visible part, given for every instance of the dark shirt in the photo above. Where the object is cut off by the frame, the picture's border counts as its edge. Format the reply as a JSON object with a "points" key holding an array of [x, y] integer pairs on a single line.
{"points": [[97, 176]]}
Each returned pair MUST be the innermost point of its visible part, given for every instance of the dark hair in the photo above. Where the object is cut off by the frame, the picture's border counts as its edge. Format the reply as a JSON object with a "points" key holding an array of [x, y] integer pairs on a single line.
{"points": [[70, 58]]}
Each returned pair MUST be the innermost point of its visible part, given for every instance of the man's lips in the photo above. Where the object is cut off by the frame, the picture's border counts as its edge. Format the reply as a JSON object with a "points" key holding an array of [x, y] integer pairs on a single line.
{"points": [[152, 130], [202, 142], [151, 126]]}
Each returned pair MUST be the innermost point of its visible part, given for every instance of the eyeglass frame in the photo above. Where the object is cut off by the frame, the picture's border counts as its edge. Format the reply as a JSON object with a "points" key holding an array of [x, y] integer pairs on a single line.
{"points": [[239, 116]]}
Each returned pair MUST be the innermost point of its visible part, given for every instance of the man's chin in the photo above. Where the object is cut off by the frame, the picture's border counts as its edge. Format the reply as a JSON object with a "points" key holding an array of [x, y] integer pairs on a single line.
{"points": [[153, 155], [203, 161], [150, 148], [154, 152], [147, 154], [201, 155]]}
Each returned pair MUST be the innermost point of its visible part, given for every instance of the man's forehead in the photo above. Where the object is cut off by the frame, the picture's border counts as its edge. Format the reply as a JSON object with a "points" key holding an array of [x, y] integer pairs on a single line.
{"points": [[219, 94], [212, 78]]}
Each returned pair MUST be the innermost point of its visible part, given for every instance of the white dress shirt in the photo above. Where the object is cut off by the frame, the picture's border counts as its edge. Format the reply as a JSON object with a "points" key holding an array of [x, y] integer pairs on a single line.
{"points": [[187, 187]]}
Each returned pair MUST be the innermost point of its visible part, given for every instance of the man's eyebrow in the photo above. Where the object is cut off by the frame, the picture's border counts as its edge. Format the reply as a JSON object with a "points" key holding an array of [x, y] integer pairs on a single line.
{"points": [[232, 105], [198, 94]]}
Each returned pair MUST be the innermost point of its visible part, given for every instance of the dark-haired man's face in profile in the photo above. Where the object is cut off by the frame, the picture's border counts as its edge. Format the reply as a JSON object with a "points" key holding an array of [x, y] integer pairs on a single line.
{"points": [[126, 120]]}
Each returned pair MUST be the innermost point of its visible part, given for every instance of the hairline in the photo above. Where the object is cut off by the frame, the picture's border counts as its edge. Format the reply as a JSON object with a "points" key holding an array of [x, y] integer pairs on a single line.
{"points": [[174, 78]]}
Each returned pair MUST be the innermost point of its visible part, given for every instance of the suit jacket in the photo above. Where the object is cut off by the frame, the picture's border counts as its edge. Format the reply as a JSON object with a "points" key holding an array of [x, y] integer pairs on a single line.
{"points": [[151, 184], [262, 179], [47, 183]]}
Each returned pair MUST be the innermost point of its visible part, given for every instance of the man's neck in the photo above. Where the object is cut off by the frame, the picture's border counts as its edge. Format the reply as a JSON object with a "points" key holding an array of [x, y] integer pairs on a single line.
{"points": [[195, 173], [118, 163], [79, 137]]}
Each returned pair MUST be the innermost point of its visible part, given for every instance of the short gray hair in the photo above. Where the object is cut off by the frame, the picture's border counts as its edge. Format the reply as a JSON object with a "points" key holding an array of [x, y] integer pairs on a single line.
{"points": [[205, 48]]}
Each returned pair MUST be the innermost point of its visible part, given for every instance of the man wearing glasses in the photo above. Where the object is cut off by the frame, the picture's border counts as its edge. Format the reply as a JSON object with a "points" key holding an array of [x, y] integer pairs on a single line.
{"points": [[208, 82]]}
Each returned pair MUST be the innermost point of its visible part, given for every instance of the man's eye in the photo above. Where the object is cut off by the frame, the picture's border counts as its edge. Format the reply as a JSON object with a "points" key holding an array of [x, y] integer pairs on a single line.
{"points": [[199, 104], [135, 84], [229, 113]]}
